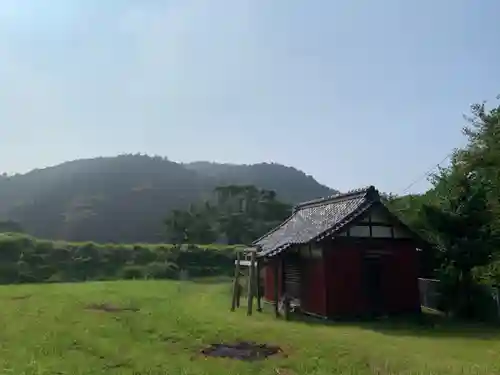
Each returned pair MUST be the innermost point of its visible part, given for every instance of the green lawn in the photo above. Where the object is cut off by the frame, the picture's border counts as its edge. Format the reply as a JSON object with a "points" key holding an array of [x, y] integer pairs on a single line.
{"points": [[48, 329]]}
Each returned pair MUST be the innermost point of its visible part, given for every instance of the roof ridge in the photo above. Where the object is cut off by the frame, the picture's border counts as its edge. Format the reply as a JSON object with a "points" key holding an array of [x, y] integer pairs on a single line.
{"points": [[369, 191]]}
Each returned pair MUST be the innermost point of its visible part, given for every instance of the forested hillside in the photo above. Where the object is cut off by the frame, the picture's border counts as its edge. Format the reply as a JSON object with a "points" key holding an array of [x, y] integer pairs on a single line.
{"points": [[127, 198], [292, 185]]}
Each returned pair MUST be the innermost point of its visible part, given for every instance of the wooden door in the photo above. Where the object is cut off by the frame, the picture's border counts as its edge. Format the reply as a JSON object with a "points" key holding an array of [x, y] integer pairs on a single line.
{"points": [[372, 275]]}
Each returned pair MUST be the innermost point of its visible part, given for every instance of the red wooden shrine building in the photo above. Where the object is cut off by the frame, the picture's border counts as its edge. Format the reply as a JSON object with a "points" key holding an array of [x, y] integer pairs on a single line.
{"points": [[345, 255]]}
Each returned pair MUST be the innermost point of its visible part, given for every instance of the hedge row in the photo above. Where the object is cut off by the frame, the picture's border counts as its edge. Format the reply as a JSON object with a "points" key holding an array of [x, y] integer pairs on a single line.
{"points": [[24, 259]]}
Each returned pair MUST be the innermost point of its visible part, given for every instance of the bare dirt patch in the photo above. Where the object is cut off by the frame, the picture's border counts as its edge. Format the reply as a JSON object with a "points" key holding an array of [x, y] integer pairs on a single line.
{"points": [[20, 298], [245, 351], [106, 307]]}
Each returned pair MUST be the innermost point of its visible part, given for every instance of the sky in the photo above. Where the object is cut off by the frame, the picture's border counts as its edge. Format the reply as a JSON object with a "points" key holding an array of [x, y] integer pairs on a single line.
{"points": [[354, 93]]}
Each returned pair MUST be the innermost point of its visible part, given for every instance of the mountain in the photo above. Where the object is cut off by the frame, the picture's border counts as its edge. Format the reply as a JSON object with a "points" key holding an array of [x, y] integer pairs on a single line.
{"points": [[292, 185], [126, 198]]}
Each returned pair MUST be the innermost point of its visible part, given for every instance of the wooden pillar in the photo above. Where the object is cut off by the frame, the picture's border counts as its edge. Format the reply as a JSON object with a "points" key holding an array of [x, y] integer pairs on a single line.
{"points": [[276, 286], [258, 286], [497, 289], [283, 278], [326, 281], [236, 283], [239, 289], [251, 282], [284, 296]]}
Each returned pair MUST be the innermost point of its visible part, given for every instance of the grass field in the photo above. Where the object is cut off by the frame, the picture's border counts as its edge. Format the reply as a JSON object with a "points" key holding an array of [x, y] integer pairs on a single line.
{"points": [[49, 329]]}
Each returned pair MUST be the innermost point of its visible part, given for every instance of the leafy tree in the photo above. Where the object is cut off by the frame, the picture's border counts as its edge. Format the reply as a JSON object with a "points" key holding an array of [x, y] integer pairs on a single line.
{"points": [[464, 235], [201, 229], [191, 226], [177, 224], [239, 215], [482, 156], [461, 213]]}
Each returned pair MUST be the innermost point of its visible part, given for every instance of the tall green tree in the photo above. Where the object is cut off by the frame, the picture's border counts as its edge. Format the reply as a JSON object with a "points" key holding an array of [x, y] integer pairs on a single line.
{"points": [[177, 224], [194, 225], [237, 215], [482, 156], [465, 238], [462, 211]]}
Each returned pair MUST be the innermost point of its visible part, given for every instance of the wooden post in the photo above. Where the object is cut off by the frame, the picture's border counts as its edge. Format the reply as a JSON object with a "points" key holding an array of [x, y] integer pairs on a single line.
{"points": [[425, 291], [251, 287], [284, 293], [257, 283], [276, 292], [498, 301], [236, 283], [238, 294]]}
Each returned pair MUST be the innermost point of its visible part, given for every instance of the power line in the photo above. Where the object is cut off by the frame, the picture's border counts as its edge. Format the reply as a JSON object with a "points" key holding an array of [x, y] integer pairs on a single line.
{"points": [[427, 173]]}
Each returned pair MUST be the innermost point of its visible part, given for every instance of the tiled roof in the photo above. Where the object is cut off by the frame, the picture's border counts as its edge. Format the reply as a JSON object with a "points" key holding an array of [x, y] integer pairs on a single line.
{"points": [[317, 219]]}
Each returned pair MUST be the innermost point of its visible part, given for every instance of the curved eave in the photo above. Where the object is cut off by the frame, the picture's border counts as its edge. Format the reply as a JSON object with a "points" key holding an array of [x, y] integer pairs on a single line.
{"points": [[338, 227]]}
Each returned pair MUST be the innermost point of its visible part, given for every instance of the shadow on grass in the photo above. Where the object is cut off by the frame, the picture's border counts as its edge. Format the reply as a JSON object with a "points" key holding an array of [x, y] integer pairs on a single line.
{"points": [[429, 325], [212, 280]]}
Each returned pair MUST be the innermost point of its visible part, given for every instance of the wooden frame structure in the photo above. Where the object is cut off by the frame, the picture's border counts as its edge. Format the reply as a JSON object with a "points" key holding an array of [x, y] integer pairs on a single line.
{"points": [[247, 258]]}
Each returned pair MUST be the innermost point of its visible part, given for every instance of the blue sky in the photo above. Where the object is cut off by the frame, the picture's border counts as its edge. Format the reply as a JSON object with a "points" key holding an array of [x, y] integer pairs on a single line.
{"points": [[353, 92]]}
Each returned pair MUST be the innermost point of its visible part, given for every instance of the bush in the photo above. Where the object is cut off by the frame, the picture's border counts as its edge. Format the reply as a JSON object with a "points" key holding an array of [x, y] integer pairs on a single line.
{"points": [[133, 272], [468, 301], [25, 259], [159, 270]]}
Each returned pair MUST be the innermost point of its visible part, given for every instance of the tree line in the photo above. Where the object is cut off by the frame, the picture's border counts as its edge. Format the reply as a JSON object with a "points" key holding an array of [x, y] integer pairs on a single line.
{"points": [[460, 214]]}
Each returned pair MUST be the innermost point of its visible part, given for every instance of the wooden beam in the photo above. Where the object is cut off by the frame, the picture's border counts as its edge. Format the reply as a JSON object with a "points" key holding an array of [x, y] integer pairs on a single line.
{"points": [[258, 286], [236, 284], [251, 287], [326, 286], [245, 263], [283, 277], [373, 224], [275, 280], [238, 295], [284, 296]]}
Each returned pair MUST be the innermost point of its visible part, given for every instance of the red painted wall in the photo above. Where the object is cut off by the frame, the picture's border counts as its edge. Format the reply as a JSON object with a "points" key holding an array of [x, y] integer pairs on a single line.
{"points": [[313, 298], [401, 283], [334, 286], [269, 282], [344, 279]]}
